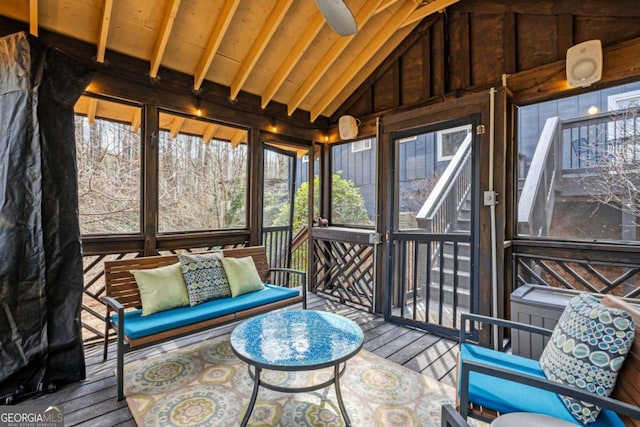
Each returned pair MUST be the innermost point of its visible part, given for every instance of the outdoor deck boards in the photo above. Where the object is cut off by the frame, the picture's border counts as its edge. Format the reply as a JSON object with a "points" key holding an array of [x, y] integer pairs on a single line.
{"points": [[93, 401]]}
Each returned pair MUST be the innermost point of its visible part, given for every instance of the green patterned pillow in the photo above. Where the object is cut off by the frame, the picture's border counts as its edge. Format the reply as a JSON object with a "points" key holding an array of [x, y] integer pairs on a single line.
{"points": [[204, 276], [586, 350]]}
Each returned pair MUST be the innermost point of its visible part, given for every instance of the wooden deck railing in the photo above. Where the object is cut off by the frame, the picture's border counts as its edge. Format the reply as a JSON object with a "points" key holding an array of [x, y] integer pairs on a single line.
{"points": [[440, 211], [596, 268], [538, 193], [344, 265], [284, 252]]}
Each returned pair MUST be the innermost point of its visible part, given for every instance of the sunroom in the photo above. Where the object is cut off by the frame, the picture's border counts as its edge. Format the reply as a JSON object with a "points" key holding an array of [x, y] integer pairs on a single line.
{"points": [[448, 158]]}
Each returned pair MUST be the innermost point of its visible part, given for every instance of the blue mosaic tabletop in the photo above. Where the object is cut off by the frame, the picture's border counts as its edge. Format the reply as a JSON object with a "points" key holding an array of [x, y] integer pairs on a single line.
{"points": [[304, 339]]}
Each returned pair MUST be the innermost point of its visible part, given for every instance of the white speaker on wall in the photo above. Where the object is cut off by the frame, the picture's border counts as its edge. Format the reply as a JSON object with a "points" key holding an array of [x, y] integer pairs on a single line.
{"points": [[348, 127], [584, 63]]}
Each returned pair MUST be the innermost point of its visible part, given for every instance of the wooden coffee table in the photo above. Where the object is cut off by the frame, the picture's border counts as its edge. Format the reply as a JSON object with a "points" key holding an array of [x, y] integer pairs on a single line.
{"points": [[296, 340]]}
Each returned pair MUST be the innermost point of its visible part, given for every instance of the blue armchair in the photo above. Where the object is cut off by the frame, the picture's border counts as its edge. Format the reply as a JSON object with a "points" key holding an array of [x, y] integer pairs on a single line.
{"points": [[492, 383], [451, 418]]}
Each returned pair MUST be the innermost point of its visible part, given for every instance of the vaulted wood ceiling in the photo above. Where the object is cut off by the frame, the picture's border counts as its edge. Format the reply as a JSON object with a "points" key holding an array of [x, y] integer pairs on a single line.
{"points": [[280, 50]]}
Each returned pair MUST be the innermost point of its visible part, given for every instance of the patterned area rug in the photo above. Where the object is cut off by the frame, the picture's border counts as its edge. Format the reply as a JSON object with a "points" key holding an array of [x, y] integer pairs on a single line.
{"points": [[207, 385]]}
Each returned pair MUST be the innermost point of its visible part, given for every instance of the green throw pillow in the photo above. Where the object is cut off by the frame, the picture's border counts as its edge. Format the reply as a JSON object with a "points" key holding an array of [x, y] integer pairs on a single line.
{"points": [[242, 275], [161, 288], [586, 350], [204, 276]]}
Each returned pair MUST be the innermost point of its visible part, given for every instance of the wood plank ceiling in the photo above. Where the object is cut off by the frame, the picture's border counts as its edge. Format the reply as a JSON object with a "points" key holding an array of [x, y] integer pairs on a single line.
{"points": [[280, 50]]}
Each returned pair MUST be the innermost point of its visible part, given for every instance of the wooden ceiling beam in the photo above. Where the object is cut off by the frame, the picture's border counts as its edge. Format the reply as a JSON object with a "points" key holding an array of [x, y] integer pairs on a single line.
{"points": [[259, 45], [365, 55], [163, 37], [136, 120], [219, 30], [426, 10], [238, 137], [386, 4], [33, 17], [311, 31], [362, 17], [176, 125], [91, 110], [209, 132], [104, 30], [296, 52]]}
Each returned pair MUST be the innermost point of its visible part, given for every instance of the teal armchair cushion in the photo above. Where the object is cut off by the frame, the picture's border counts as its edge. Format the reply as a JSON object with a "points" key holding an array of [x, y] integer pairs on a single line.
{"points": [[507, 396]]}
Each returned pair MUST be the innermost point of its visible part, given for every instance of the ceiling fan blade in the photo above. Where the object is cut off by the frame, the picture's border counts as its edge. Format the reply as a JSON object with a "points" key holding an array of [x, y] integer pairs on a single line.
{"points": [[338, 16]]}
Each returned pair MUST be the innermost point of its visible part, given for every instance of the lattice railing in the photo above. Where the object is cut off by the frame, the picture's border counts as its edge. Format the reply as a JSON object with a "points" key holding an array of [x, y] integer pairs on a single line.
{"points": [[93, 311], [345, 271], [602, 277]]}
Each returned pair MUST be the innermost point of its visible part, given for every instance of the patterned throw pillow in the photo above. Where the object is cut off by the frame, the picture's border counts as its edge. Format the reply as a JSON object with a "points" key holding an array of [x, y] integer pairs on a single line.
{"points": [[586, 350], [204, 276]]}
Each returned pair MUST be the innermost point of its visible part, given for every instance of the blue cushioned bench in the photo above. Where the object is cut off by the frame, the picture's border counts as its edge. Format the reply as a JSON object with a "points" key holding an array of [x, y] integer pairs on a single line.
{"points": [[136, 331], [492, 382]]}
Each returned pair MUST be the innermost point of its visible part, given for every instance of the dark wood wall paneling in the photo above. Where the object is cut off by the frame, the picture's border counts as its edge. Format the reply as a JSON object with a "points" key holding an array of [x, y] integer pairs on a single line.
{"points": [[459, 72], [412, 74], [489, 56], [385, 90], [470, 46], [536, 38]]}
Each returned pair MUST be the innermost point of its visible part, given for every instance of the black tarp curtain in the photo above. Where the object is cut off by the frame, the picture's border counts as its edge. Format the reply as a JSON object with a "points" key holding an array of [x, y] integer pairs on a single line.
{"points": [[41, 277]]}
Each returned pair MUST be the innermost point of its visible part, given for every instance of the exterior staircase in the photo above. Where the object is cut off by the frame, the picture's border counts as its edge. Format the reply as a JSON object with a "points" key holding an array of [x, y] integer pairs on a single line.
{"points": [[462, 226]]}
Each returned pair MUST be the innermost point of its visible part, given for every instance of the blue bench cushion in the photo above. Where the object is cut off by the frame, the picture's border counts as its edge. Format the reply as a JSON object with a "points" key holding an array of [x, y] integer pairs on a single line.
{"points": [[137, 326], [506, 396]]}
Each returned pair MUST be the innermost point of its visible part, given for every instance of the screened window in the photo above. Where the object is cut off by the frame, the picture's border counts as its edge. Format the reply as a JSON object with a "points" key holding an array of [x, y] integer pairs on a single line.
{"points": [[108, 160], [353, 183], [579, 173], [202, 175]]}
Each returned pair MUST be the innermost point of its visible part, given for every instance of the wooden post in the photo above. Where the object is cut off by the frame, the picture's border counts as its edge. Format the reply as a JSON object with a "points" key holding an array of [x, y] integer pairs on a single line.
{"points": [[254, 186], [151, 137], [325, 182]]}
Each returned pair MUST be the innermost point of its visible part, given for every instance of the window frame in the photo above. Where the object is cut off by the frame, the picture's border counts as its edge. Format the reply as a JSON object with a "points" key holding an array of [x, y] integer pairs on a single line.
{"points": [[441, 157], [140, 173], [605, 101], [369, 142], [208, 121], [365, 145]]}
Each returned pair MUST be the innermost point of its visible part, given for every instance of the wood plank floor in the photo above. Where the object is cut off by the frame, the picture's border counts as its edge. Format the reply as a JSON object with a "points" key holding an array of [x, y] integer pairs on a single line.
{"points": [[93, 402]]}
